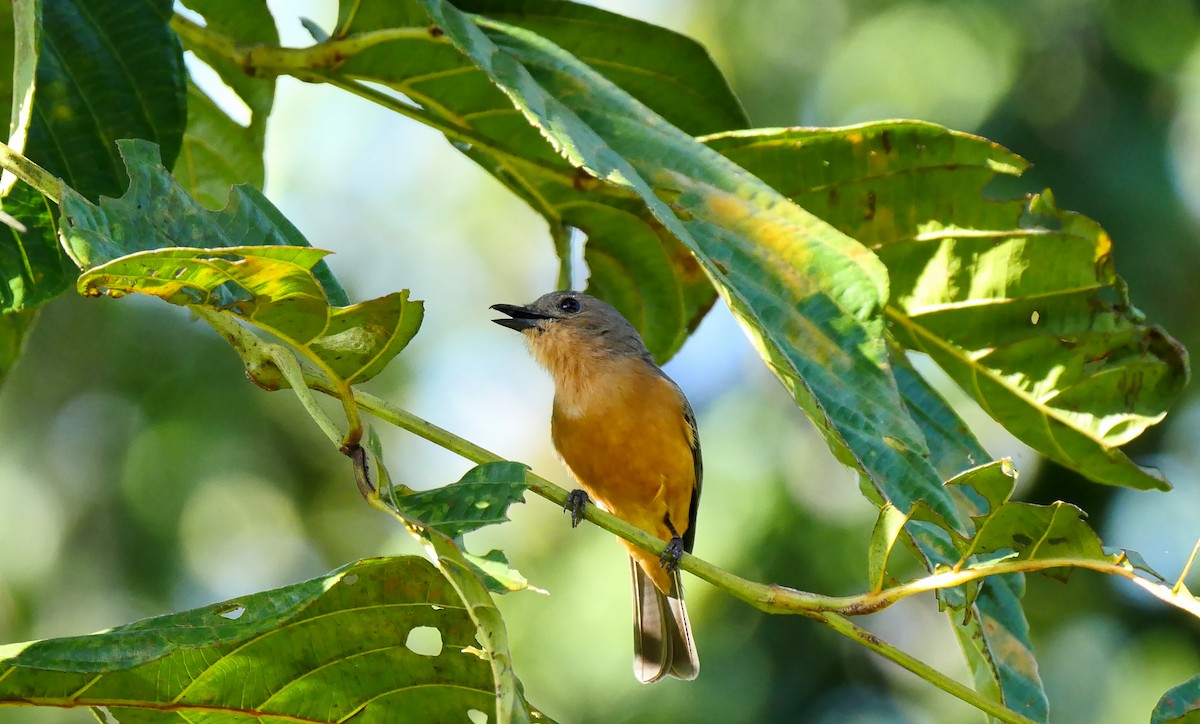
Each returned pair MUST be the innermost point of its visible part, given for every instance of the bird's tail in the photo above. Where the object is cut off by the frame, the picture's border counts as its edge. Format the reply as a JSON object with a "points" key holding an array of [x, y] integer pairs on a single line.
{"points": [[662, 636]]}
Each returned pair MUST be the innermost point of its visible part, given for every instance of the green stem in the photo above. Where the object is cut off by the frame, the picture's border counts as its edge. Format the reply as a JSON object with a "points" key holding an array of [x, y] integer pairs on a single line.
{"points": [[846, 628], [31, 173], [770, 598]]}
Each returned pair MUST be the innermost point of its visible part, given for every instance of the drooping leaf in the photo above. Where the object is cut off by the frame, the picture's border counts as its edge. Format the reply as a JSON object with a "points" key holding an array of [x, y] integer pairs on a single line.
{"points": [[333, 649], [497, 573], [86, 73], [809, 296], [635, 262], [219, 151], [1180, 705], [1018, 301], [246, 261], [480, 498]]}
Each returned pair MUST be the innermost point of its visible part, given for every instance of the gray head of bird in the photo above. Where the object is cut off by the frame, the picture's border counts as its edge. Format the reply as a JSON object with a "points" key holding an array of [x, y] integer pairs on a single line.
{"points": [[573, 323]]}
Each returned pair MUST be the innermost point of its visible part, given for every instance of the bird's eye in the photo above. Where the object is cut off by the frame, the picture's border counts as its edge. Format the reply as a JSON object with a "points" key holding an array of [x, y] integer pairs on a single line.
{"points": [[570, 305]]}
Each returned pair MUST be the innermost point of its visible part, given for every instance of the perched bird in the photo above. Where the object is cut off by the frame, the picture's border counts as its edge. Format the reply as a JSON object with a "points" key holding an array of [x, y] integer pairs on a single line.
{"points": [[629, 437]]}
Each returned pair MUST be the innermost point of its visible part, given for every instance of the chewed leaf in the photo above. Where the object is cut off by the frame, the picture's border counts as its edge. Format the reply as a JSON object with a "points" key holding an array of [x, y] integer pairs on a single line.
{"points": [[245, 260], [156, 213], [274, 289], [353, 636], [480, 498]]}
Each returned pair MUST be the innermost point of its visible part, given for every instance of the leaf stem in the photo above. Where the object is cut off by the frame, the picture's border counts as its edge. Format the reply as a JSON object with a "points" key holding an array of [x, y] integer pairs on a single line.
{"points": [[767, 597], [31, 173]]}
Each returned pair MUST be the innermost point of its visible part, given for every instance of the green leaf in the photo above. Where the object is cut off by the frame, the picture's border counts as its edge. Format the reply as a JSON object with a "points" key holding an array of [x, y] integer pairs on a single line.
{"points": [[14, 327], [635, 263], [1180, 705], [218, 151], [247, 261], [494, 570], [888, 528], [327, 650], [479, 499], [809, 296], [1018, 301], [85, 73]]}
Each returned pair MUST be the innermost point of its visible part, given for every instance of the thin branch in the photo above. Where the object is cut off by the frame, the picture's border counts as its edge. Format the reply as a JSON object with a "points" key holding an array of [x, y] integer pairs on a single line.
{"points": [[31, 173]]}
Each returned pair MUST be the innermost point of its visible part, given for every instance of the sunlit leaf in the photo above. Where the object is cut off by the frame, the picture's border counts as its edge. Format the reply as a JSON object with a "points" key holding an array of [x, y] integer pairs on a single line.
{"points": [[1018, 301], [333, 649], [248, 262]]}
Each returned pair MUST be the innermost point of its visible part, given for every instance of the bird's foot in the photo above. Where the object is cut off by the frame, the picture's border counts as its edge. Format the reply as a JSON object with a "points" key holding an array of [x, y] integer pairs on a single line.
{"points": [[577, 502], [672, 554]]}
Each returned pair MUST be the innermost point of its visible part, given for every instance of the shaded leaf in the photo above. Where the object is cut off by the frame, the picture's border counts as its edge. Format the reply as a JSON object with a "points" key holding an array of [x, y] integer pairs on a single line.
{"points": [[247, 261], [85, 74], [480, 498], [635, 263], [1018, 301], [218, 151], [1180, 705], [888, 527], [14, 327], [325, 650]]}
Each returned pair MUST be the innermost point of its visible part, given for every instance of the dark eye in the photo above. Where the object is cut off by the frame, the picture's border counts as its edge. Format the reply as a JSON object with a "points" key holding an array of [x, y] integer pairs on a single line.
{"points": [[570, 305]]}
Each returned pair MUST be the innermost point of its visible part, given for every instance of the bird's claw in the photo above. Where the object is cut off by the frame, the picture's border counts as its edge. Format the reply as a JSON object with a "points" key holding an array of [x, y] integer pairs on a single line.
{"points": [[672, 554], [577, 502]]}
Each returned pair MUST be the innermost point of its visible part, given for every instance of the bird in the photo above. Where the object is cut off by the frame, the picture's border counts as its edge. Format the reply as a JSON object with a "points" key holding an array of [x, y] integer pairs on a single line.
{"points": [[628, 436]]}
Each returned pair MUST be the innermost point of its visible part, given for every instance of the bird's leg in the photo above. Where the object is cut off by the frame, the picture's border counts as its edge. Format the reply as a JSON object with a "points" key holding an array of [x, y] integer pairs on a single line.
{"points": [[577, 502], [674, 551]]}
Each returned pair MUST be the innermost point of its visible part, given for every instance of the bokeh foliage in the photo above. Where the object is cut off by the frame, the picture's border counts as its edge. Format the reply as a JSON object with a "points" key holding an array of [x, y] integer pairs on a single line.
{"points": [[822, 332]]}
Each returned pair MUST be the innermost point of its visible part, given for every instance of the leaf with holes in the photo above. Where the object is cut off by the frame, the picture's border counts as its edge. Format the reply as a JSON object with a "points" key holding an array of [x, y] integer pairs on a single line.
{"points": [[480, 498], [1018, 301], [337, 647]]}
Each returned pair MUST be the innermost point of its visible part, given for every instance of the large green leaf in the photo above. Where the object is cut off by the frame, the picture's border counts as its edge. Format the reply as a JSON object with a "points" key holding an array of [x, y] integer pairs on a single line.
{"points": [[85, 73], [337, 648], [635, 262], [1018, 301], [272, 280], [809, 296], [218, 151]]}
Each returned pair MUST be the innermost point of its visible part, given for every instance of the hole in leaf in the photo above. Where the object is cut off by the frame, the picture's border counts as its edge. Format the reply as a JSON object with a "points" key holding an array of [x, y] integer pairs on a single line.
{"points": [[231, 611], [424, 640], [351, 579], [1035, 317], [435, 607], [476, 716]]}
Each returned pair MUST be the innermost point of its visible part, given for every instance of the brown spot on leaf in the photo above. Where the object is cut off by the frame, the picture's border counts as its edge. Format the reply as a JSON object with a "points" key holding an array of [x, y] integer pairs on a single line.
{"points": [[870, 206]]}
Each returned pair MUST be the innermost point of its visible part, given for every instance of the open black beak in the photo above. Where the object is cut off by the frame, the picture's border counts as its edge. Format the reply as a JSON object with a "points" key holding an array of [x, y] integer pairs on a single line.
{"points": [[523, 318]]}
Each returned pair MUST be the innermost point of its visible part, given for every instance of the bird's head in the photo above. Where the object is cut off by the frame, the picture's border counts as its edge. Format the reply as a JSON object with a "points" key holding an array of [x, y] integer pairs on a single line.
{"points": [[567, 324]]}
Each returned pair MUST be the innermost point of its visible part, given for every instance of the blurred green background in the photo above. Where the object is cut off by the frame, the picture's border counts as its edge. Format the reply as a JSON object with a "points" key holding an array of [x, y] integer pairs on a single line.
{"points": [[142, 474]]}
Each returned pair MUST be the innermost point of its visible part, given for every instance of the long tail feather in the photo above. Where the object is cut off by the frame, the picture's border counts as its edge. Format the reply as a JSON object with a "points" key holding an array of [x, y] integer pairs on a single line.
{"points": [[662, 635]]}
